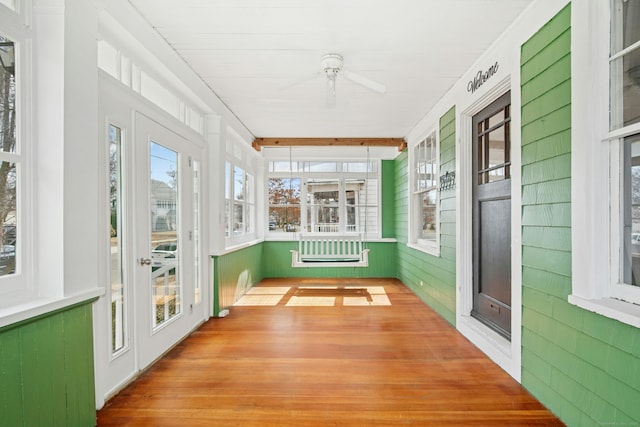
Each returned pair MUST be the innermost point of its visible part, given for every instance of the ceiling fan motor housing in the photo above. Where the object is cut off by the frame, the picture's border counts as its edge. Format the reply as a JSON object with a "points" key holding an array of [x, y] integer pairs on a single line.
{"points": [[331, 64]]}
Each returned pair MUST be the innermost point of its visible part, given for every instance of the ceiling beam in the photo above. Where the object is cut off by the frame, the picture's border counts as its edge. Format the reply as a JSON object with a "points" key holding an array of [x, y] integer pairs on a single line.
{"points": [[258, 143]]}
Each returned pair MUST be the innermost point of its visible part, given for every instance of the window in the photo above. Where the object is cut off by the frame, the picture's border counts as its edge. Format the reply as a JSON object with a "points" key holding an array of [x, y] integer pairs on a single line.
{"points": [[239, 201], [606, 159], [11, 165], [117, 288], [323, 197], [624, 63], [424, 188], [8, 156]]}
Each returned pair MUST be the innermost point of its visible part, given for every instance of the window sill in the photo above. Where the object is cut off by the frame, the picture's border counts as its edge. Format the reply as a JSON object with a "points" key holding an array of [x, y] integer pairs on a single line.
{"points": [[40, 306], [430, 250], [621, 311]]}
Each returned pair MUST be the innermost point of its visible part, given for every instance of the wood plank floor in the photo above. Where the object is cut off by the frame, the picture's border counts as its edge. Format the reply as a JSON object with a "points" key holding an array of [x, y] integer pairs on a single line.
{"points": [[390, 362]]}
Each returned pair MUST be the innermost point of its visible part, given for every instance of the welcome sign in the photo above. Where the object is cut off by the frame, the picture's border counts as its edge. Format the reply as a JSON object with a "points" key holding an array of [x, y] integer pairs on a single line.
{"points": [[481, 78]]}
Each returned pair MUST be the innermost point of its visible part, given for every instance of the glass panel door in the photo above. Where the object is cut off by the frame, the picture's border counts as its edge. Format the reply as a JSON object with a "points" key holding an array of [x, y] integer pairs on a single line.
{"points": [[167, 267], [166, 288]]}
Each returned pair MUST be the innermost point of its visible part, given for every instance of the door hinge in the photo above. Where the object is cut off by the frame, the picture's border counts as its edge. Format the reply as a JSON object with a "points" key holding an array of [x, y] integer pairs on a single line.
{"points": [[189, 161], [190, 235]]}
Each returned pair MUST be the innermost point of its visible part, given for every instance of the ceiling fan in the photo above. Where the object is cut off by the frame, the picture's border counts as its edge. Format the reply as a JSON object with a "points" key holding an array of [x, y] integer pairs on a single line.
{"points": [[331, 66]]}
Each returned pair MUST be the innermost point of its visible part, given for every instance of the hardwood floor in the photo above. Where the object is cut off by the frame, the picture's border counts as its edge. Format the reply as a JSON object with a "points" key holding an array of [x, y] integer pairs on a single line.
{"points": [[390, 362]]}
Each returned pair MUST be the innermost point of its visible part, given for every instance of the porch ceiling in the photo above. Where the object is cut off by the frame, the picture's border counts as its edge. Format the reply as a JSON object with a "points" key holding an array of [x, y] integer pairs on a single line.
{"points": [[262, 57]]}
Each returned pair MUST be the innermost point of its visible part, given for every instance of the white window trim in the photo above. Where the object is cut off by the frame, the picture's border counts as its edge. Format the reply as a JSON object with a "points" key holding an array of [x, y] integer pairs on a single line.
{"points": [[427, 246], [595, 248], [237, 153], [40, 284]]}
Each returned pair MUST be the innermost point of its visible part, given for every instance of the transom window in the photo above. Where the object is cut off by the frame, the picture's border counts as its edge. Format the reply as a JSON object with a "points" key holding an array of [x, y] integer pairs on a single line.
{"points": [[323, 197]]}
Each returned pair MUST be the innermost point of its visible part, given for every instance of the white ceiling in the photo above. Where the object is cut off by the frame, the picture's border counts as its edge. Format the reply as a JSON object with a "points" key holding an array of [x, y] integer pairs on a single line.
{"points": [[261, 57]]}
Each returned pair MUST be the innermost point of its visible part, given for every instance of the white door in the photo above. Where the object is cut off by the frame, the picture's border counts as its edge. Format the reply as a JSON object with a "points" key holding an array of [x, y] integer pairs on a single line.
{"points": [[166, 275], [153, 258]]}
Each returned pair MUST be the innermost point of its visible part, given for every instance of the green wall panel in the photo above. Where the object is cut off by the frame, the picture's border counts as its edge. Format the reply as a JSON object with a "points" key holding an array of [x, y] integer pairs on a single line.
{"points": [[277, 262], [583, 366], [388, 205], [46, 370], [432, 278], [234, 273]]}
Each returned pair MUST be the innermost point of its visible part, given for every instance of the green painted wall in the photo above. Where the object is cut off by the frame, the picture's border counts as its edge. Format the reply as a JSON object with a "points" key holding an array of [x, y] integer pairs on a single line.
{"points": [[388, 199], [584, 367], [234, 273], [432, 278], [277, 262], [46, 370]]}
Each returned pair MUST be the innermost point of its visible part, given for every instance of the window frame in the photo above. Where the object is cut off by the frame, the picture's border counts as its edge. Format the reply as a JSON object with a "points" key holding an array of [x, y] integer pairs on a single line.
{"points": [[303, 169], [597, 161], [248, 203], [19, 286], [416, 241]]}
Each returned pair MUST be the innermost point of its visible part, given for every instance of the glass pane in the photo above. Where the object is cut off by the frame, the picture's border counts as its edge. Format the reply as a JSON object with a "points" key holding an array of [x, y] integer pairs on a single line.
{"points": [[227, 221], [166, 287], [323, 198], [238, 183], [227, 180], [323, 166], [357, 167], [283, 166], [631, 87], [284, 204], [630, 22], [496, 119], [428, 207], [196, 232], [496, 147], [238, 219], [631, 211], [8, 216], [7, 96], [117, 272], [496, 174]]}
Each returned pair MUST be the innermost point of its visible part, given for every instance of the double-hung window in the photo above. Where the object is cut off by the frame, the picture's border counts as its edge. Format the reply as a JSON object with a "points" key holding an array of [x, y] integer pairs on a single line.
{"points": [[424, 233], [239, 201], [624, 66], [606, 158], [13, 211]]}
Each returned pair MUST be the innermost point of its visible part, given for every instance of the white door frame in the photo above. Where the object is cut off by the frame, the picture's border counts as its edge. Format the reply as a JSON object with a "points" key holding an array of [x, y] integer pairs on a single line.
{"points": [[118, 106], [507, 354]]}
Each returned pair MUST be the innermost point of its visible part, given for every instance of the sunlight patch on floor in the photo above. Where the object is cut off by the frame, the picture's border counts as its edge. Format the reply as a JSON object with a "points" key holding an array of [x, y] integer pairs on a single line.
{"points": [[259, 299], [268, 290], [315, 295]]}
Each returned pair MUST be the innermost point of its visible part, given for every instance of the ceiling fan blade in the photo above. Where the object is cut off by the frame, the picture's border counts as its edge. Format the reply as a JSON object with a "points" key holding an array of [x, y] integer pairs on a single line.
{"points": [[363, 81]]}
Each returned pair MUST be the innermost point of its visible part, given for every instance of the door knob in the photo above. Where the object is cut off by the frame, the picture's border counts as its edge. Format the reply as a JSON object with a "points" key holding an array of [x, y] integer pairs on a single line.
{"points": [[145, 261]]}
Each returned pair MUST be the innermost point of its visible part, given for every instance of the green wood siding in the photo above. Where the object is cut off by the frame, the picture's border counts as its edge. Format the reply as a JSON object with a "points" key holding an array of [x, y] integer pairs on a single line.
{"points": [[46, 370], [234, 273], [581, 365], [277, 262], [432, 278], [388, 205]]}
